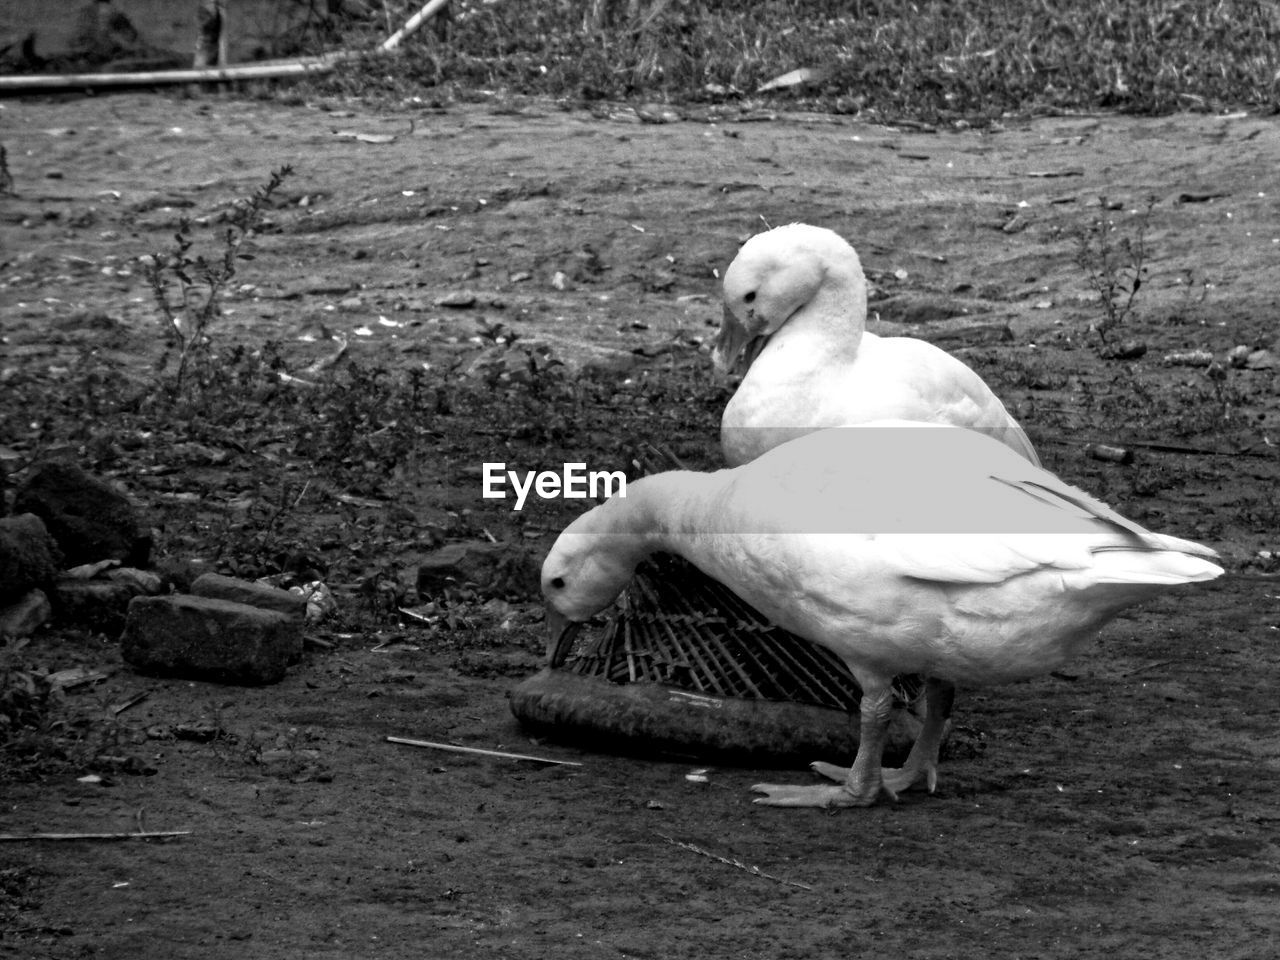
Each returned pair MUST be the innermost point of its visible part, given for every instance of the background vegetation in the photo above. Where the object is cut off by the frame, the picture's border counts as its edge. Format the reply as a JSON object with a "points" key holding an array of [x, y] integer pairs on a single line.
{"points": [[934, 60]]}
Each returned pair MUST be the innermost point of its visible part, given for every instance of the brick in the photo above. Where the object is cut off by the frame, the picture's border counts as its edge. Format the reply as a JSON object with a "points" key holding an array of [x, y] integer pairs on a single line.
{"points": [[254, 594], [205, 638], [93, 604]]}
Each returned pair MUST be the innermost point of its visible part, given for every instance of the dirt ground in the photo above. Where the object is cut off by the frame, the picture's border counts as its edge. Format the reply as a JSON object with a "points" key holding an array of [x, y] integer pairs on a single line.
{"points": [[1126, 808]]}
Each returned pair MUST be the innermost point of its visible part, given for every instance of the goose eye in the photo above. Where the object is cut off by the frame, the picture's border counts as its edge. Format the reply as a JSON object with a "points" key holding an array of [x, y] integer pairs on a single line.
{"points": [[750, 297], [557, 582]]}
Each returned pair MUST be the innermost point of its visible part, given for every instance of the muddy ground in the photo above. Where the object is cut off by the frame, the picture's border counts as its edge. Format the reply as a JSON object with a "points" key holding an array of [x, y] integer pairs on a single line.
{"points": [[1125, 808]]}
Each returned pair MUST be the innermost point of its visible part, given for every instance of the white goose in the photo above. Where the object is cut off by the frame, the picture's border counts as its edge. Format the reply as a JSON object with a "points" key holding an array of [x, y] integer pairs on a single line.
{"points": [[795, 313], [903, 548]]}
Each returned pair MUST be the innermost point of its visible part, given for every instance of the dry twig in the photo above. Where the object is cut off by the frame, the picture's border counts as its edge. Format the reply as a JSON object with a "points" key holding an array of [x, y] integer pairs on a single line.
{"points": [[124, 705], [733, 862], [486, 753], [135, 835]]}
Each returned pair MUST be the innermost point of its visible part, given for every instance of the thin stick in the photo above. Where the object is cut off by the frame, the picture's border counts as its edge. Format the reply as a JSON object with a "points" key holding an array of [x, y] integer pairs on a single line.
{"points": [[1168, 447], [412, 24], [136, 835], [304, 66], [329, 360], [487, 753], [1148, 666], [733, 862], [305, 487], [80, 681], [124, 705]]}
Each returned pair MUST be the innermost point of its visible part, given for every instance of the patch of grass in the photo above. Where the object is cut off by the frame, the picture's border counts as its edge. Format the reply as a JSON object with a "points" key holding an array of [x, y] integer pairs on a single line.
{"points": [[937, 60], [26, 697], [370, 463], [29, 708]]}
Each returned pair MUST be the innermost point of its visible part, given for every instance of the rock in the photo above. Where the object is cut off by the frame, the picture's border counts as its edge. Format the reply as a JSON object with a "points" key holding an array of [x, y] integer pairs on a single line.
{"points": [[182, 572], [1239, 356], [94, 604], [259, 595], [21, 619], [204, 638], [1128, 350], [144, 581], [89, 519], [1260, 360], [459, 300], [1015, 224], [29, 557], [491, 569]]}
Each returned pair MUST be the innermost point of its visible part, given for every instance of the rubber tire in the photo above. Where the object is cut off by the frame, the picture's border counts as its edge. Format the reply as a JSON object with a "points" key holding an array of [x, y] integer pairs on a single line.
{"points": [[651, 718]]}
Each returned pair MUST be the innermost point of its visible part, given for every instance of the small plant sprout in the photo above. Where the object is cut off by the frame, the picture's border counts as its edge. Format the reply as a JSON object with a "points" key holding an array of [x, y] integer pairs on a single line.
{"points": [[201, 282], [1115, 263]]}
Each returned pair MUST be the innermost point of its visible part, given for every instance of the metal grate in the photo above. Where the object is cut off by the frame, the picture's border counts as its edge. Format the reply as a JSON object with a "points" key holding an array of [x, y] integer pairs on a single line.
{"points": [[677, 626]]}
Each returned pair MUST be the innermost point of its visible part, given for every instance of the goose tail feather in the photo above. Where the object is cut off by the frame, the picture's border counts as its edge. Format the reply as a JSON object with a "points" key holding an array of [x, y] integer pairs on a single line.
{"points": [[1164, 567]]}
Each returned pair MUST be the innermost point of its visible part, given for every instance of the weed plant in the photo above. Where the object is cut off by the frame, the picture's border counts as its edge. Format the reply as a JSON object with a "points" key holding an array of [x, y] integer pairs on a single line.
{"points": [[1114, 258], [201, 282], [29, 711]]}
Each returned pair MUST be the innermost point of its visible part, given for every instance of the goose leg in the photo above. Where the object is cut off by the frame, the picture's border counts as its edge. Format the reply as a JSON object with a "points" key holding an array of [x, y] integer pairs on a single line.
{"points": [[862, 782], [923, 758]]}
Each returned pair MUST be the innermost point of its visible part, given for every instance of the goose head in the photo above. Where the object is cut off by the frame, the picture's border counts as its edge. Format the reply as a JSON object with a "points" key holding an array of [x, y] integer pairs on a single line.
{"points": [[584, 572], [777, 275]]}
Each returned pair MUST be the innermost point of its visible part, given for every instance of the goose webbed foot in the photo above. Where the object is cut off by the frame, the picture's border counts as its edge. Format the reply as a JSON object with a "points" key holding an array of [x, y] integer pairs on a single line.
{"points": [[788, 795], [893, 780], [922, 761], [861, 784], [903, 778]]}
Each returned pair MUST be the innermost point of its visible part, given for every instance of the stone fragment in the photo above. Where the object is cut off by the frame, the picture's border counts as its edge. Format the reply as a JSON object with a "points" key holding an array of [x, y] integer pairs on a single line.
{"points": [[94, 604], [29, 557], [260, 595], [182, 572], [458, 300], [89, 518], [205, 638], [25, 615]]}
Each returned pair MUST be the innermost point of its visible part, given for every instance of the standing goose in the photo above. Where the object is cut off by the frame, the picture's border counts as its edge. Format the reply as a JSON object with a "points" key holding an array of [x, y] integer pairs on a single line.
{"points": [[901, 547], [795, 313]]}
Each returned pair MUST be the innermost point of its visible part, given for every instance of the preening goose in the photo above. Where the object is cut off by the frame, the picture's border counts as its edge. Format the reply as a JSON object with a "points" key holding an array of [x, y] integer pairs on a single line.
{"points": [[795, 312], [903, 548]]}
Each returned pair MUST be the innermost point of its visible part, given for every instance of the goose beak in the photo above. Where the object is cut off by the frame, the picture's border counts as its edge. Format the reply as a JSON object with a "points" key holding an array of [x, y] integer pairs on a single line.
{"points": [[561, 632], [736, 348], [729, 343]]}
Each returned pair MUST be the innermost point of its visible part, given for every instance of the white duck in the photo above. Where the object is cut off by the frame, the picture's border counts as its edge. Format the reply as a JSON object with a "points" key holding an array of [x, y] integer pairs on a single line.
{"points": [[903, 548], [795, 313]]}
